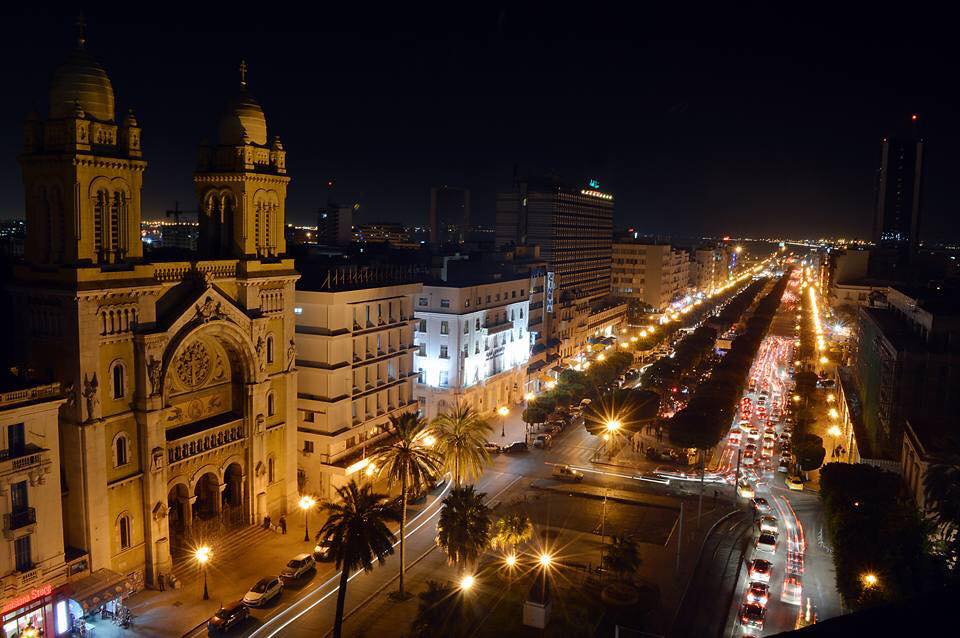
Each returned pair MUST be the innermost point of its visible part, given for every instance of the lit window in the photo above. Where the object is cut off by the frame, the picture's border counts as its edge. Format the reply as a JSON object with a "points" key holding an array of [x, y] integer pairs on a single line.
{"points": [[444, 327]]}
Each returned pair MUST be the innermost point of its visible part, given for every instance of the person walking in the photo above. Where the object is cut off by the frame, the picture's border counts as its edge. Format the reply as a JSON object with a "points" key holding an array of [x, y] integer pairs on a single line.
{"points": [[283, 524], [160, 581]]}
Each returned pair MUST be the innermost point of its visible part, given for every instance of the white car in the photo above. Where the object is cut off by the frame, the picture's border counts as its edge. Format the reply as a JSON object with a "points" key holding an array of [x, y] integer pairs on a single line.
{"points": [[298, 566], [745, 490], [766, 542], [567, 473], [265, 590], [768, 524]]}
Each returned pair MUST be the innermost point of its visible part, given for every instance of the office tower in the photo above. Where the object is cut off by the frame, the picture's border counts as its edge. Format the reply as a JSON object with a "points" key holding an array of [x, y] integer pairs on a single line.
{"points": [[335, 224], [896, 221], [449, 214]]}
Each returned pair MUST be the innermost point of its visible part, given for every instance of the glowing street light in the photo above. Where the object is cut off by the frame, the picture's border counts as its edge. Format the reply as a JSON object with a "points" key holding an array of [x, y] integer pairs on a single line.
{"points": [[613, 425], [429, 440], [529, 396], [824, 360], [834, 414], [831, 397], [869, 580], [551, 385], [601, 357], [503, 411], [202, 554], [307, 503], [467, 582], [545, 560], [510, 560], [371, 470], [834, 431]]}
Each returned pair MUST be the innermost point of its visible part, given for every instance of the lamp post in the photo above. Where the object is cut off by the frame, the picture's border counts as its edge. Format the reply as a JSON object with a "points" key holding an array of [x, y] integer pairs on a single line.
{"points": [[503, 411], [307, 503], [202, 554], [467, 582]]}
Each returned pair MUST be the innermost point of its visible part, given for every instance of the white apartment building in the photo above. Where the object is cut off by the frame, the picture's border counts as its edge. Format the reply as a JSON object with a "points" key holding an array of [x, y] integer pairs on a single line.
{"points": [[354, 356], [654, 274], [472, 344], [709, 269]]}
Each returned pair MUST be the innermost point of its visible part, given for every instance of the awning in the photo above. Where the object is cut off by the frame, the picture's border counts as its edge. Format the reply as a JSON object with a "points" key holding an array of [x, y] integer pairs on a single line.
{"points": [[558, 369], [100, 587]]}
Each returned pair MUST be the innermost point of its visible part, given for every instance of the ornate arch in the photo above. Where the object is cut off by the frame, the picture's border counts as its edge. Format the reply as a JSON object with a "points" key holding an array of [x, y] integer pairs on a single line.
{"points": [[228, 334], [202, 471], [235, 458]]}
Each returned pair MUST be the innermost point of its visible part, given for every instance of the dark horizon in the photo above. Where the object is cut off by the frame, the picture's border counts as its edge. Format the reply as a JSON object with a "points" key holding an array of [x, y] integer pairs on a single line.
{"points": [[771, 126]]}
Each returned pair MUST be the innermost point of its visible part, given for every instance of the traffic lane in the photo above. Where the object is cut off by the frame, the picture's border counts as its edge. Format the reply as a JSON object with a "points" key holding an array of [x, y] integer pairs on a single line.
{"points": [[313, 614]]}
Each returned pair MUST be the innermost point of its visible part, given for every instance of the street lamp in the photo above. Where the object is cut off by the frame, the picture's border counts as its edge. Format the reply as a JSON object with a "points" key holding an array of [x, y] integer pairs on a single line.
{"points": [[503, 411], [551, 385], [824, 360], [834, 414], [831, 397], [467, 582], [869, 580], [529, 396], [601, 357], [429, 441], [545, 560], [613, 425], [510, 560], [307, 503], [202, 554]]}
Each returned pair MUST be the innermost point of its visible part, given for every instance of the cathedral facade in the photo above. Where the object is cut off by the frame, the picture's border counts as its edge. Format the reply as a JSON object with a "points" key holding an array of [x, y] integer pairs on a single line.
{"points": [[180, 415]]}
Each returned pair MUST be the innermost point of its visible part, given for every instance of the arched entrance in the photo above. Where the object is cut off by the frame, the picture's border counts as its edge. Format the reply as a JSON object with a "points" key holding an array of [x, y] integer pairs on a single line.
{"points": [[207, 491], [179, 517]]}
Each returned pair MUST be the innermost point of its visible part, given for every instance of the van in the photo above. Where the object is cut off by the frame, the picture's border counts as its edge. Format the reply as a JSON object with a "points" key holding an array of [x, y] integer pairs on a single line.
{"points": [[567, 473]]}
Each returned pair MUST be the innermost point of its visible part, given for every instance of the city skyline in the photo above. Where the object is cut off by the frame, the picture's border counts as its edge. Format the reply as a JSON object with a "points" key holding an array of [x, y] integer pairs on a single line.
{"points": [[749, 129]]}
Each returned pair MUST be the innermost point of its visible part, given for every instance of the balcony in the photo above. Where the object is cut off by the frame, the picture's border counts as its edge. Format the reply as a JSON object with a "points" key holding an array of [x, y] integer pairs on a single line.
{"points": [[19, 460], [493, 327], [21, 520], [204, 436]]}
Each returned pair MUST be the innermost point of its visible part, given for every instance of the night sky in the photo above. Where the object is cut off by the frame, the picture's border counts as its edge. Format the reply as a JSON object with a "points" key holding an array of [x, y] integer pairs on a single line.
{"points": [[699, 121]]}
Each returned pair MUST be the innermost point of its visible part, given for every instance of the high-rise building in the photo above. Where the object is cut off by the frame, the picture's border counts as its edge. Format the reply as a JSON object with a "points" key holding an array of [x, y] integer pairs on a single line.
{"points": [[449, 218], [574, 228], [178, 376], [896, 221], [335, 224]]}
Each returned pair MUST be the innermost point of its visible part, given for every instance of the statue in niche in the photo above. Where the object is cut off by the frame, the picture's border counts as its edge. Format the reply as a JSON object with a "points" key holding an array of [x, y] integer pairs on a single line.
{"points": [[261, 355], [156, 458], [91, 393], [154, 368], [291, 355]]}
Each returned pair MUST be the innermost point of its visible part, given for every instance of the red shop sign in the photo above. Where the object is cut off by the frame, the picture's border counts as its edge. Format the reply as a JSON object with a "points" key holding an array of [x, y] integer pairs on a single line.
{"points": [[24, 599]]}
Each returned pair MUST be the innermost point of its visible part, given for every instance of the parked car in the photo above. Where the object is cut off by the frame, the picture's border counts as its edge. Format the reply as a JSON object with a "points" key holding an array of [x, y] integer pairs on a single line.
{"points": [[752, 616], [228, 617], [766, 542], [492, 448], [298, 566], [516, 447], [584, 403], [758, 593], [759, 570], [542, 441], [794, 483], [321, 551], [263, 591], [567, 473], [768, 524]]}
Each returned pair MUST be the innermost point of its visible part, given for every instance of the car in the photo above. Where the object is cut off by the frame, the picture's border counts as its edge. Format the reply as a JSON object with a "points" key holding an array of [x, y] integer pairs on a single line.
{"points": [[759, 570], [754, 435], [766, 542], [745, 490], [794, 482], [298, 566], [751, 617], [263, 591], [794, 563], [567, 473], [516, 447], [554, 429], [750, 447], [785, 435], [542, 441], [321, 551], [760, 504], [584, 403], [228, 617], [758, 593], [784, 467], [744, 425], [768, 524], [492, 448], [792, 592], [735, 437], [747, 459]]}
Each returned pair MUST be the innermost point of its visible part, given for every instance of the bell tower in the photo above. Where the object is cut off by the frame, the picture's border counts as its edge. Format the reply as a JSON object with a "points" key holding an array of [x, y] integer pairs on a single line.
{"points": [[241, 184], [82, 172]]}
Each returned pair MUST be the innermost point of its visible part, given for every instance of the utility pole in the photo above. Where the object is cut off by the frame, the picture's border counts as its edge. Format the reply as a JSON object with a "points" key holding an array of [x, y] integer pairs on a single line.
{"points": [[603, 524], [736, 482], [680, 536]]}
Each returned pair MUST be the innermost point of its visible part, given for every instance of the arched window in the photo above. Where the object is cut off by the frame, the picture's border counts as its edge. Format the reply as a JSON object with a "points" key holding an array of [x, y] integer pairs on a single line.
{"points": [[271, 404], [121, 451], [269, 348], [123, 525], [118, 378], [271, 469]]}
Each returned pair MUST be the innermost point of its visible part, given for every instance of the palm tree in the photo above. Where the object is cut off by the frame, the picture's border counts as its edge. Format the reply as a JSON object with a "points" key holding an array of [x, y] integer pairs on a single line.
{"points": [[941, 486], [622, 556], [463, 531], [356, 532], [461, 435], [409, 461], [511, 530]]}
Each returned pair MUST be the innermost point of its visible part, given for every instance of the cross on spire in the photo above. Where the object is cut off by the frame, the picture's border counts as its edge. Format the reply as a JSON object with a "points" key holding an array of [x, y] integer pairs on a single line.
{"points": [[243, 73], [81, 31]]}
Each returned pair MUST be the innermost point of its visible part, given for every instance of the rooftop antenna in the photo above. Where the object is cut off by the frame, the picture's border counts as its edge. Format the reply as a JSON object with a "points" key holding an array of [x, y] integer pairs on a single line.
{"points": [[81, 31], [243, 74]]}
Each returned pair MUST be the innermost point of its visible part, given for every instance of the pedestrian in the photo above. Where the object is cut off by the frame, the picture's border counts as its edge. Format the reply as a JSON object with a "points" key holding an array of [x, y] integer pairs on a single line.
{"points": [[160, 581], [283, 524]]}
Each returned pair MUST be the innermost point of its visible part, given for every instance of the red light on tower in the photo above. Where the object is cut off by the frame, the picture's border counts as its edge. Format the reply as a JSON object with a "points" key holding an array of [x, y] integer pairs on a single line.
{"points": [[914, 117]]}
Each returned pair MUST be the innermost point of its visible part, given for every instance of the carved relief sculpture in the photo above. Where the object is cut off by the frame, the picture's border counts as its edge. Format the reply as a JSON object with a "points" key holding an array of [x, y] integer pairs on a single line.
{"points": [[193, 365], [210, 310], [156, 458], [261, 355], [154, 369]]}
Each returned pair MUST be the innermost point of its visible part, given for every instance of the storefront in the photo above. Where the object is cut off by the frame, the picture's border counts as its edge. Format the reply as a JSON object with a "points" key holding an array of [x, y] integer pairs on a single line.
{"points": [[95, 598], [30, 614]]}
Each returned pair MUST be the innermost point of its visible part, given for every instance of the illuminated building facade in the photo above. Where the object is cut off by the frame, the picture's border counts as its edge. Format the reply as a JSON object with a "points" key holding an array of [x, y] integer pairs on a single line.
{"points": [[654, 274], [472, 344], [355, 371]]}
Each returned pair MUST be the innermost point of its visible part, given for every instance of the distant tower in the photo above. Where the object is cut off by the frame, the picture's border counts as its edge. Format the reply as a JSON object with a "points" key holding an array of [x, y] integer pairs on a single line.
{"points": [[449, 214], [82, 172], [241, 185], [896, 223]]}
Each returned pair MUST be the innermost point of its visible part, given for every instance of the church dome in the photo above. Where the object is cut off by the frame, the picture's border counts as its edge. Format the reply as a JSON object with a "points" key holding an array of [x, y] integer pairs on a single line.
{"points": [[243, 118], [81, 80]]}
